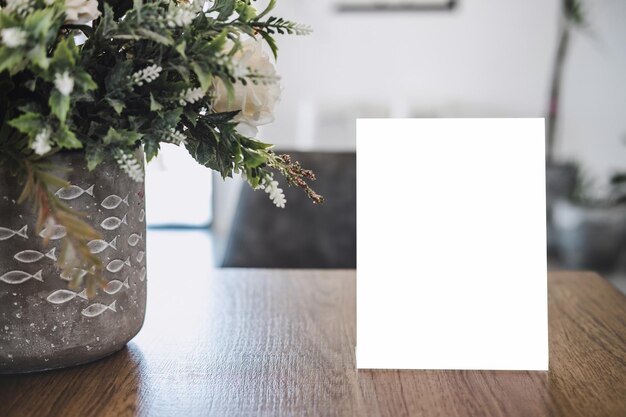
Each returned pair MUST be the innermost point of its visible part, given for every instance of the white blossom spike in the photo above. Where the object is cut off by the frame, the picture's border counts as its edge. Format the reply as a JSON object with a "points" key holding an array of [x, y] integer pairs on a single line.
{"points": [[176, 137], [146, 75], [180, 17], [190, 95], [129, 164], [275, 193]]}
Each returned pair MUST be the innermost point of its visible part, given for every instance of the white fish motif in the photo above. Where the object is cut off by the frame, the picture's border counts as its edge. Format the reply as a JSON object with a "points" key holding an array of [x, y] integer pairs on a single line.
{"points": [[96, 309], [30, 256], [18, 277], [134, 239], [142, 274], [113, 201], [99, 245], [63, 296], [72, 192], [8, 233], [114, 286], [142, 214], [112, 223], [140, 256], [54, 232], [116, 265]]}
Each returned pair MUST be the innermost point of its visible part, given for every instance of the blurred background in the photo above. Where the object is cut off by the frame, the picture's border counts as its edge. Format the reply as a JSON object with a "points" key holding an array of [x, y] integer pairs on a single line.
{"points": [[562, 60]]}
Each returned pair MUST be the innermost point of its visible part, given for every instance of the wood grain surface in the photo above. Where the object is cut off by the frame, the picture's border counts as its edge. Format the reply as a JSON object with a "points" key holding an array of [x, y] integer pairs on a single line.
{"points": [[280, 343]]}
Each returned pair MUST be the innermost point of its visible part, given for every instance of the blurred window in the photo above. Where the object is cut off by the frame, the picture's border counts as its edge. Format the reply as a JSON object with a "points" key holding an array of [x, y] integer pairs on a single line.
{"points": [[178, 190]]}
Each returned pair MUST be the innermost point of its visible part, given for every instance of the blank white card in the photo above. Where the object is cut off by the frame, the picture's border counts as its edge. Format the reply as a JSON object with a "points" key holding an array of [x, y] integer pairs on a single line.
{"points": [[451, 244]]}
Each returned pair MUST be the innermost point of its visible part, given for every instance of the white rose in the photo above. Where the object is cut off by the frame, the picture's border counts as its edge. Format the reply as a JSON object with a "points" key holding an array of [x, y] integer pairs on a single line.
{"points": [[255, 101], [79, 12]]}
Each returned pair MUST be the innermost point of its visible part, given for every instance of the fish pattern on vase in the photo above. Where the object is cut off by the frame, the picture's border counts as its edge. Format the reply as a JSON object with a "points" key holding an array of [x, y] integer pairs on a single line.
{"points": [[28, 260], [6, 233]]}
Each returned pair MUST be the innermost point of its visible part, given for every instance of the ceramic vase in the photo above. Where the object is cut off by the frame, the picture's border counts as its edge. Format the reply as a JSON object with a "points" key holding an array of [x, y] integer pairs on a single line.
{"points": [[43, 323]]}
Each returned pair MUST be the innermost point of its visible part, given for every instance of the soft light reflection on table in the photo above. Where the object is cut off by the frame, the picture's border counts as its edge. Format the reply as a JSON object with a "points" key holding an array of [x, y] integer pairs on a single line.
{"points": [[177, 259]]}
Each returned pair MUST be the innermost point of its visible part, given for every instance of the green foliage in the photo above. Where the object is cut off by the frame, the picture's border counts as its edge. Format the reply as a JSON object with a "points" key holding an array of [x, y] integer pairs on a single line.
{"points": [[146, 75], [573, 11]]}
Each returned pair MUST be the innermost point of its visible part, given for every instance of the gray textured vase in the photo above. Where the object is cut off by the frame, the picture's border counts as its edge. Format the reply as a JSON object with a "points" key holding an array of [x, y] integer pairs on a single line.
{"points": [[44, 324]]}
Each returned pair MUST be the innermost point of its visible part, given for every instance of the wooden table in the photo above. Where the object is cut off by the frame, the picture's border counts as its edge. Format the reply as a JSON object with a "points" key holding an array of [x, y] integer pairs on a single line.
{"points": [[280, 343]]}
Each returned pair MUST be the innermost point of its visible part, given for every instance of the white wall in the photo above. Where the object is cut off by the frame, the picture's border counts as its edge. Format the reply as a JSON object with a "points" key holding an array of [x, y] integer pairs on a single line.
{"points": [[486, 58], [593, 126]]}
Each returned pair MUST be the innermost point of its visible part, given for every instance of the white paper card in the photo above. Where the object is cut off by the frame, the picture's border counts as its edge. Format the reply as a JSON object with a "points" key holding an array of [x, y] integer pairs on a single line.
{"points": [[451, 244]]}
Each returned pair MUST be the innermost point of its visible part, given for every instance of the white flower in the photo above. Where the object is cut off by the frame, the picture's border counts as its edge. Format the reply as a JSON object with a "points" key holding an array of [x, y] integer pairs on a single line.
{"points": [[64, 83], [19, 7], [146, 75], [41, 144], [129, 164], [275, 193], [13, 37], [180, 16], [79, 12], [176, 137], [255, 100], [190, 95]]}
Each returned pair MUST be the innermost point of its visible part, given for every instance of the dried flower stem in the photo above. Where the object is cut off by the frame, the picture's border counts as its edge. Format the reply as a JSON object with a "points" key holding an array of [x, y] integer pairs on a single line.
{"points": [[294, 174]]}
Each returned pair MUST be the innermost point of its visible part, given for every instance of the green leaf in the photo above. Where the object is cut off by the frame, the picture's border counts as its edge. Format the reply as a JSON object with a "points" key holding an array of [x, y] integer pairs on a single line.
{"points": [[271, 43], [204, 76], [137, 5], [219, 118], [121, 137], [253, 143], [154, 36], [31, 84], [154, 105], [225, 8], [180, 48], [29, 123], [253, 159], [64, 55], [108, 23], [151, 149], [117, 105], [10, 58], [269, 8], [7, 20], [218, 43], [94, 156], [245, 12], [191, 115], [112, 136], [59, 105], [83, 80], [172, 117], [39, 56], [65, 138], [117, 79], [39, 22]]}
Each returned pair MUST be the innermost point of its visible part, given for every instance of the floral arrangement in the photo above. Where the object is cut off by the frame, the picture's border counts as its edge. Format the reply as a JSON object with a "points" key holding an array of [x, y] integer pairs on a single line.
{"points": [[111, 77]]}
